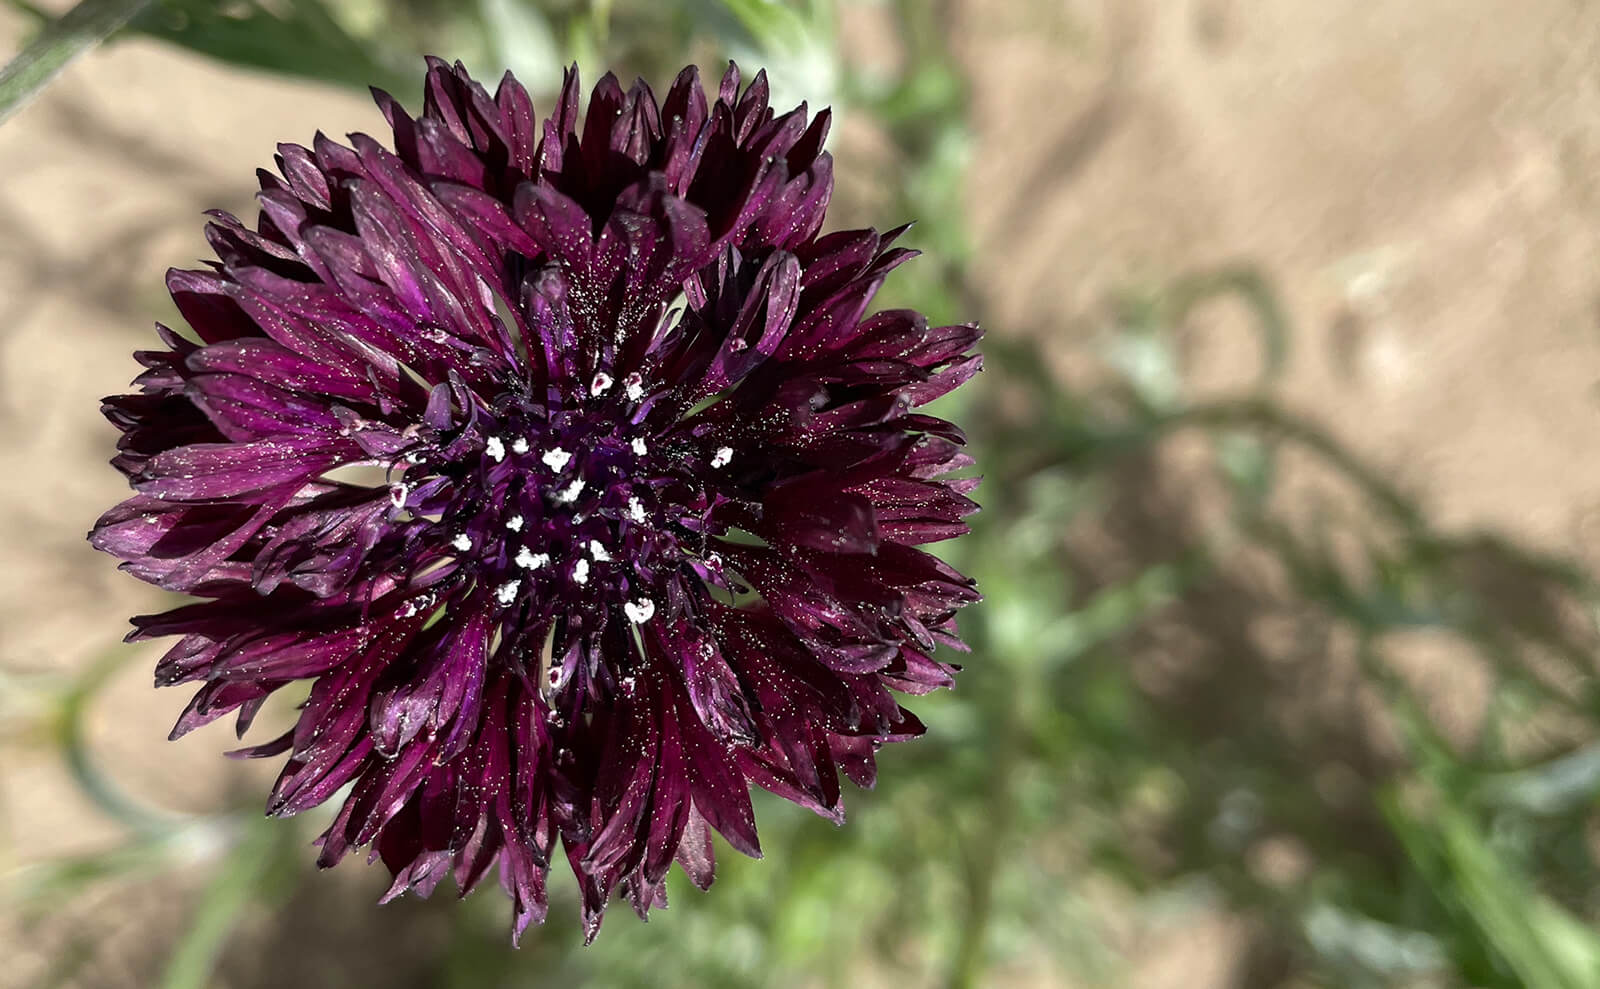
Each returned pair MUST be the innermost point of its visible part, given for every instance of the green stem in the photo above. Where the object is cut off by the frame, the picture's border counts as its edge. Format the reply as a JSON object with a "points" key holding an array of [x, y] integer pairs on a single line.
{"points": [[600, 22], [61, 41], [1264, 415], [75, 749], [983, 866], [230, 891]]}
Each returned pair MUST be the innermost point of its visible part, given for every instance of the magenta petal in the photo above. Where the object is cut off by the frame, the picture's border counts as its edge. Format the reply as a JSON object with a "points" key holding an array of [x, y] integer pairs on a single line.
{"points": [[212, 471]]}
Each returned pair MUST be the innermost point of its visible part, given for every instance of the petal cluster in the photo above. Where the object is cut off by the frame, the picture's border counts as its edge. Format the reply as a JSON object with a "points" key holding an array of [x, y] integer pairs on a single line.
{"points": [[564, 461]]}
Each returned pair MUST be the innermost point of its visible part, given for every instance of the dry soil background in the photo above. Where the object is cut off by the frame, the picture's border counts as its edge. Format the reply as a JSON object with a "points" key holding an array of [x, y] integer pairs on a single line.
{"points": [[1418, 178]]}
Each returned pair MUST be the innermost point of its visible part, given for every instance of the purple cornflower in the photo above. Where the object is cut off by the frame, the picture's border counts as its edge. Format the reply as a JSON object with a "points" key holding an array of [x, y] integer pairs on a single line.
{"points": [[565, 463]]}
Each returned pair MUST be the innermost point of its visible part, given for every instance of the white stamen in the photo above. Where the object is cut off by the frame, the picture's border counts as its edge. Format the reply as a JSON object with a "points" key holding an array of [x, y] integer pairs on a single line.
{"points": [[723, 455], [629, 682], [398, 493], [495, 449], [556, 459], [514, 523], [635, 510], [633, 385], [569, 494], [519, 445], [507, 593], [639, 611], [580, 572], [463, 542], [639, 449], [529, 560], [601, 384], [598, 551]]}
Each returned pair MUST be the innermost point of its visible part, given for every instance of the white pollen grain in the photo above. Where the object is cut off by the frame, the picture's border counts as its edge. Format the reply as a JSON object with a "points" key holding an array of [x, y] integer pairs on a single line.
{"points": [[633, 386], [635, 510], [600, 385], [639, 611], [569, 494], [598, 551], [580, 572], [514, 523], [722, 457], [556, 459], [463, 542], [639, 449], [495, 449], [507, 593], [529, 560], [519, 445]]}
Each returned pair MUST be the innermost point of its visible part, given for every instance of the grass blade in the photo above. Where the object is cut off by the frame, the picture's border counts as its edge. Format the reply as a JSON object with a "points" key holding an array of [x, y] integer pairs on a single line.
{"points": [[232, 890], [61, 41]]}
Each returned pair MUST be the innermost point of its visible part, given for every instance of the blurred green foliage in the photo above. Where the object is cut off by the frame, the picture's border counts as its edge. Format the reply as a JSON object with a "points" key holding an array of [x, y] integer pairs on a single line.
{"points": [[1207, 716]]}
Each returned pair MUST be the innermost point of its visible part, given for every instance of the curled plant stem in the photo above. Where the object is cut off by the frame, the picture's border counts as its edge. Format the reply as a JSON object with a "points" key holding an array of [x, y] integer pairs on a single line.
{"points": [[71, 736], [1268, 417]]}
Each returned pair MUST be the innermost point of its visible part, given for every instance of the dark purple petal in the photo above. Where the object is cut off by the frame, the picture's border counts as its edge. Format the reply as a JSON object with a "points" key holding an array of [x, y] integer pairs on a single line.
{"points": [[481, 437]]}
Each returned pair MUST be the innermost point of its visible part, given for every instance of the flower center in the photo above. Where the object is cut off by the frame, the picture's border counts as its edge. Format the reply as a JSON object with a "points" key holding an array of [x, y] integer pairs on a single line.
{"points": [[547, 512], [564, 508]]}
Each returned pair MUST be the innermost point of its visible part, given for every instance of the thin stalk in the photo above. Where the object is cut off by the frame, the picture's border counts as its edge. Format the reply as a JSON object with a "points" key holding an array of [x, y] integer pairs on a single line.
{"points": [[61, 41], [71, 737], [968, 965]]}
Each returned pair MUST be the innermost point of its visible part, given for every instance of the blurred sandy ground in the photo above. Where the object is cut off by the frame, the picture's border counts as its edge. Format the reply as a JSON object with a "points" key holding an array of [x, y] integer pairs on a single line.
{"points": [[1418, 179]]}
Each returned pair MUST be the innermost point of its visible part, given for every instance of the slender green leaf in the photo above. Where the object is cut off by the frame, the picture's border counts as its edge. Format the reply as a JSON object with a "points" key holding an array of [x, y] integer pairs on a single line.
{"points": [[61, 41], [233, 888], [296, 39]]}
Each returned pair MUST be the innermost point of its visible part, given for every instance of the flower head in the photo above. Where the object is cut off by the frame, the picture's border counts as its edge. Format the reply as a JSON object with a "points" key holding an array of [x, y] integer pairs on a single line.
{"points": [[565, 462]]}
